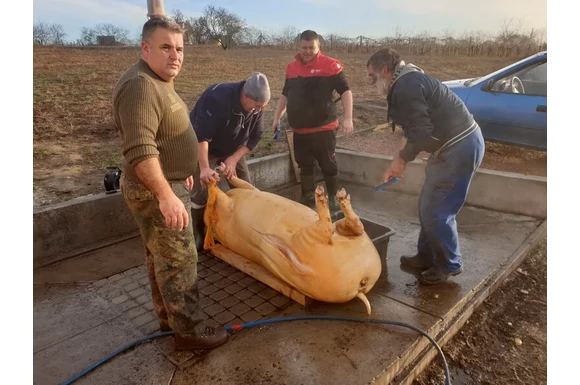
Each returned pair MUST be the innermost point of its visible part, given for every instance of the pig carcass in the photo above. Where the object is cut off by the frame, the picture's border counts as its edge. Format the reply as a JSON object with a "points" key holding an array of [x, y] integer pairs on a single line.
{"points": [[329, 262]]}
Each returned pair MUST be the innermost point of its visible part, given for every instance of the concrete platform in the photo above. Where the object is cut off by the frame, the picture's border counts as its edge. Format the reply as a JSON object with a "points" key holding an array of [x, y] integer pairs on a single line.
{"points": [[89, 306]]}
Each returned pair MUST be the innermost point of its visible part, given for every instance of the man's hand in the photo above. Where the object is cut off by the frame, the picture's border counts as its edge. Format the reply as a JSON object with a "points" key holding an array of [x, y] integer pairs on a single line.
{"points": [[207, 175], [173, 211], [230, 167], [276, 125], [347, 127], [395, 170], [189, 182]]}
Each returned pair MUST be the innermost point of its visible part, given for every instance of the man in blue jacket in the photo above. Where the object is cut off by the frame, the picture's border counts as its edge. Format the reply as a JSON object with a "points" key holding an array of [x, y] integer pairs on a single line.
{"points": [[228, 120], [436, 121]]}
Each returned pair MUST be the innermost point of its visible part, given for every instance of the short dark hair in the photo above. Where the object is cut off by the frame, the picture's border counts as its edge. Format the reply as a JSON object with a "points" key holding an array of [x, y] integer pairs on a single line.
{"points": [[309, 35], [384, 57], [159, 22]]}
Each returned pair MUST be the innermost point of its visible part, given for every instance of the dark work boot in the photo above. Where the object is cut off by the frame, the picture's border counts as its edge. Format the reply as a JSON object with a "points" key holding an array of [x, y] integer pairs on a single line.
{"points": [[307, 186], [209, 338], [198, 227], [436, 275], [415, 262], [331, 183]]}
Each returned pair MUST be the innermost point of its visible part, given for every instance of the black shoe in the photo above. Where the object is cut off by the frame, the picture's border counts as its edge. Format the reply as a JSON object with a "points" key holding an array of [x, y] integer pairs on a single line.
{"points": [[331, 183], [415, 262], [208, 339], [198, 227], [437, 275], [307, 187]]}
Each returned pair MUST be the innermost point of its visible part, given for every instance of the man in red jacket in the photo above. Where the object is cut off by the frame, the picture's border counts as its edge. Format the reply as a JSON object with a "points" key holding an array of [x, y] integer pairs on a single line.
{"points": [[312, 115]]}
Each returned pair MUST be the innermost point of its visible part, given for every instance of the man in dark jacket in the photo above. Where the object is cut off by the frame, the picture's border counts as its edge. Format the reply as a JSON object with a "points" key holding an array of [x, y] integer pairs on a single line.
{"points": [[228, 120], [436, 121], [312, 114]]}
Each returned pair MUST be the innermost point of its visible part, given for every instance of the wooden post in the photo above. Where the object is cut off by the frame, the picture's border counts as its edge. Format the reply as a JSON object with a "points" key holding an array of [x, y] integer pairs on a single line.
{"points": [[290, 141]]}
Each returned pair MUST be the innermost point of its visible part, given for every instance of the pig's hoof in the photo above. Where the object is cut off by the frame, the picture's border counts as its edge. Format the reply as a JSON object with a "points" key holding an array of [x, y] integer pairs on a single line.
{"points": [[319, 191]]}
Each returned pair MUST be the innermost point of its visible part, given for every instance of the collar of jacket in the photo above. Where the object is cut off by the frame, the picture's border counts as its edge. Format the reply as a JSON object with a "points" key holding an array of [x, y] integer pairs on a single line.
{"points": [[401, 70], [313, 61]]}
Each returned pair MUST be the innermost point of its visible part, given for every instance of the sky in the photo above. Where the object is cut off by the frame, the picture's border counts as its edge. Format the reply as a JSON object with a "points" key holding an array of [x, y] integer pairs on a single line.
{"points": [[369, 18]]}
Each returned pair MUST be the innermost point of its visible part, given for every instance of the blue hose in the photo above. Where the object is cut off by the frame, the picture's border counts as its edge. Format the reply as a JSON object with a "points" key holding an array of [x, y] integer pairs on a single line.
{"points": [[233, 328]]}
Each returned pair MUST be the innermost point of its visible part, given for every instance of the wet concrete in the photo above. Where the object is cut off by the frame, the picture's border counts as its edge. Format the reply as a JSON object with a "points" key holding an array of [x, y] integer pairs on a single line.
{"points": [[75, 325], [94, 265], [306, 352]]}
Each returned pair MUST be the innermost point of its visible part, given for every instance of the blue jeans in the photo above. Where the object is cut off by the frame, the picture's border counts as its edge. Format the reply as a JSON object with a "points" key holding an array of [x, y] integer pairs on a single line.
{"points": [[448, 177]]}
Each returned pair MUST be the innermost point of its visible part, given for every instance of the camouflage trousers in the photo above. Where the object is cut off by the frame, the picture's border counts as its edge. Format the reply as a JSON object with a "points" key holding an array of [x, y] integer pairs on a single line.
{"points": [[170, 255]]}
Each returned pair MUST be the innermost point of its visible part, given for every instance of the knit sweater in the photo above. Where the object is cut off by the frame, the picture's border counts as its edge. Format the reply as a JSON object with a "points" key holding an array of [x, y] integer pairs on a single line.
{"points": [[153, 121]]}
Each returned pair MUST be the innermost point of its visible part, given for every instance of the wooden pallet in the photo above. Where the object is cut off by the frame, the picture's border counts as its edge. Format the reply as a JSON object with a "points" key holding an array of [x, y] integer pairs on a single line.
{"points": [[261, 274]]}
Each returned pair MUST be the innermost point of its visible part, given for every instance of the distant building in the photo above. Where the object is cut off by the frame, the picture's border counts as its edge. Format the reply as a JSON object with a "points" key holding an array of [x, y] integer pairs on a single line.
{"points": [[106, 40]]}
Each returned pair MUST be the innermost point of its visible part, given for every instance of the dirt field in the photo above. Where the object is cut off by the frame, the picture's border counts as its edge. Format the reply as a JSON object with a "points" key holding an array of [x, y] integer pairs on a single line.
{"points": [[74, 135], [75, 140], [485, 350], [497, 156]]}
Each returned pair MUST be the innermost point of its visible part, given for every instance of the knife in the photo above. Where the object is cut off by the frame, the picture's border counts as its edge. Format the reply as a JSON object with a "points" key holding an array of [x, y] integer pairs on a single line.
{"points": [[386, 184]]}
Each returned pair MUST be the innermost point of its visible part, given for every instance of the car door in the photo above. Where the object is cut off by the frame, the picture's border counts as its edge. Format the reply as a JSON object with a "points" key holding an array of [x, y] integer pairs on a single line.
{"points": [[512, 111]]}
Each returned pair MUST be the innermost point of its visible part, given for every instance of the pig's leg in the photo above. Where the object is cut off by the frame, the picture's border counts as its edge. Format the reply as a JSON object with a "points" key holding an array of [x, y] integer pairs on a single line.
{"points": [[324, 224], [321, 230], [351, 224], [217, 203], [235, 181], [240, 183]]}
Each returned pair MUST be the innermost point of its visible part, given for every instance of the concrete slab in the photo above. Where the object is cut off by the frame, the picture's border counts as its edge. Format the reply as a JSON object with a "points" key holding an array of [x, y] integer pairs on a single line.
{"points": [[487, 239], [64, 311], [88, 322], [321, 351], [94, 265], [142, 365]]}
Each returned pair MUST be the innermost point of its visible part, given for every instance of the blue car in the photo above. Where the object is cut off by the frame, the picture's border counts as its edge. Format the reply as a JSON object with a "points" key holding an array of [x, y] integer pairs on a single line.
{"points": [[510, 105]]}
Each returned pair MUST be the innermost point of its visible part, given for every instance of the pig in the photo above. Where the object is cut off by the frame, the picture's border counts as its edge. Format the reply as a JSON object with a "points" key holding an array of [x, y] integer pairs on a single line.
{"points": [[326, 261]]}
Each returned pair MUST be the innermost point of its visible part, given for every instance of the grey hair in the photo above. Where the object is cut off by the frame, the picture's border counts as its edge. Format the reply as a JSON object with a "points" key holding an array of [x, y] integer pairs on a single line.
{"points": [[385, 57], [159, 22]]}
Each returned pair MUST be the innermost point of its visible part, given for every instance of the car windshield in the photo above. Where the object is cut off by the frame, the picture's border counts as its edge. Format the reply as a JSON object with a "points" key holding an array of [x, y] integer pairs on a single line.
{"points": [[501, 70]]}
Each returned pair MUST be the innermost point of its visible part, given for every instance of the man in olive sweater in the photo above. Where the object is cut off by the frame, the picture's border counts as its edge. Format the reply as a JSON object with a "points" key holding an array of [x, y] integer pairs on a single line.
{"points": [[159, 161]]}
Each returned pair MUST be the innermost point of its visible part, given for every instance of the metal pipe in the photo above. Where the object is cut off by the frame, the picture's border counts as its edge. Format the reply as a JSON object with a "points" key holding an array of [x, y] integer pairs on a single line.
{"points": [[155, 8]]}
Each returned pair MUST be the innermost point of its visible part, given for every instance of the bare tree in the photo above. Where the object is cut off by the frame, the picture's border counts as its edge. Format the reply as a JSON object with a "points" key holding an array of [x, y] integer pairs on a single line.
{"points": [[44, 34], [89, 36], [509, 32], [41, 33], [178, 16], [57, 34], [252, 36], [221, 25], [287, 36]]}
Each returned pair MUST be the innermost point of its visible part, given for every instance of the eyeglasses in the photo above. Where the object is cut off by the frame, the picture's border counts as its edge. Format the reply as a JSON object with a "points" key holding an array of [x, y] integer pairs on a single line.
{"points": [[258, 106]]}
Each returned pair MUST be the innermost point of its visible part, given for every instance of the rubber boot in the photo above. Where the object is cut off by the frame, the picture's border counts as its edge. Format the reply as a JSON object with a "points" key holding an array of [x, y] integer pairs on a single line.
{"points": [[198, 227], [331, 188], [307, 185]]}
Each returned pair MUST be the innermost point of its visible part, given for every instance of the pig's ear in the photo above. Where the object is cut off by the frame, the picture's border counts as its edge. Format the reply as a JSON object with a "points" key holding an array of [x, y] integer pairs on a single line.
{"points": [[286, 253]]}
